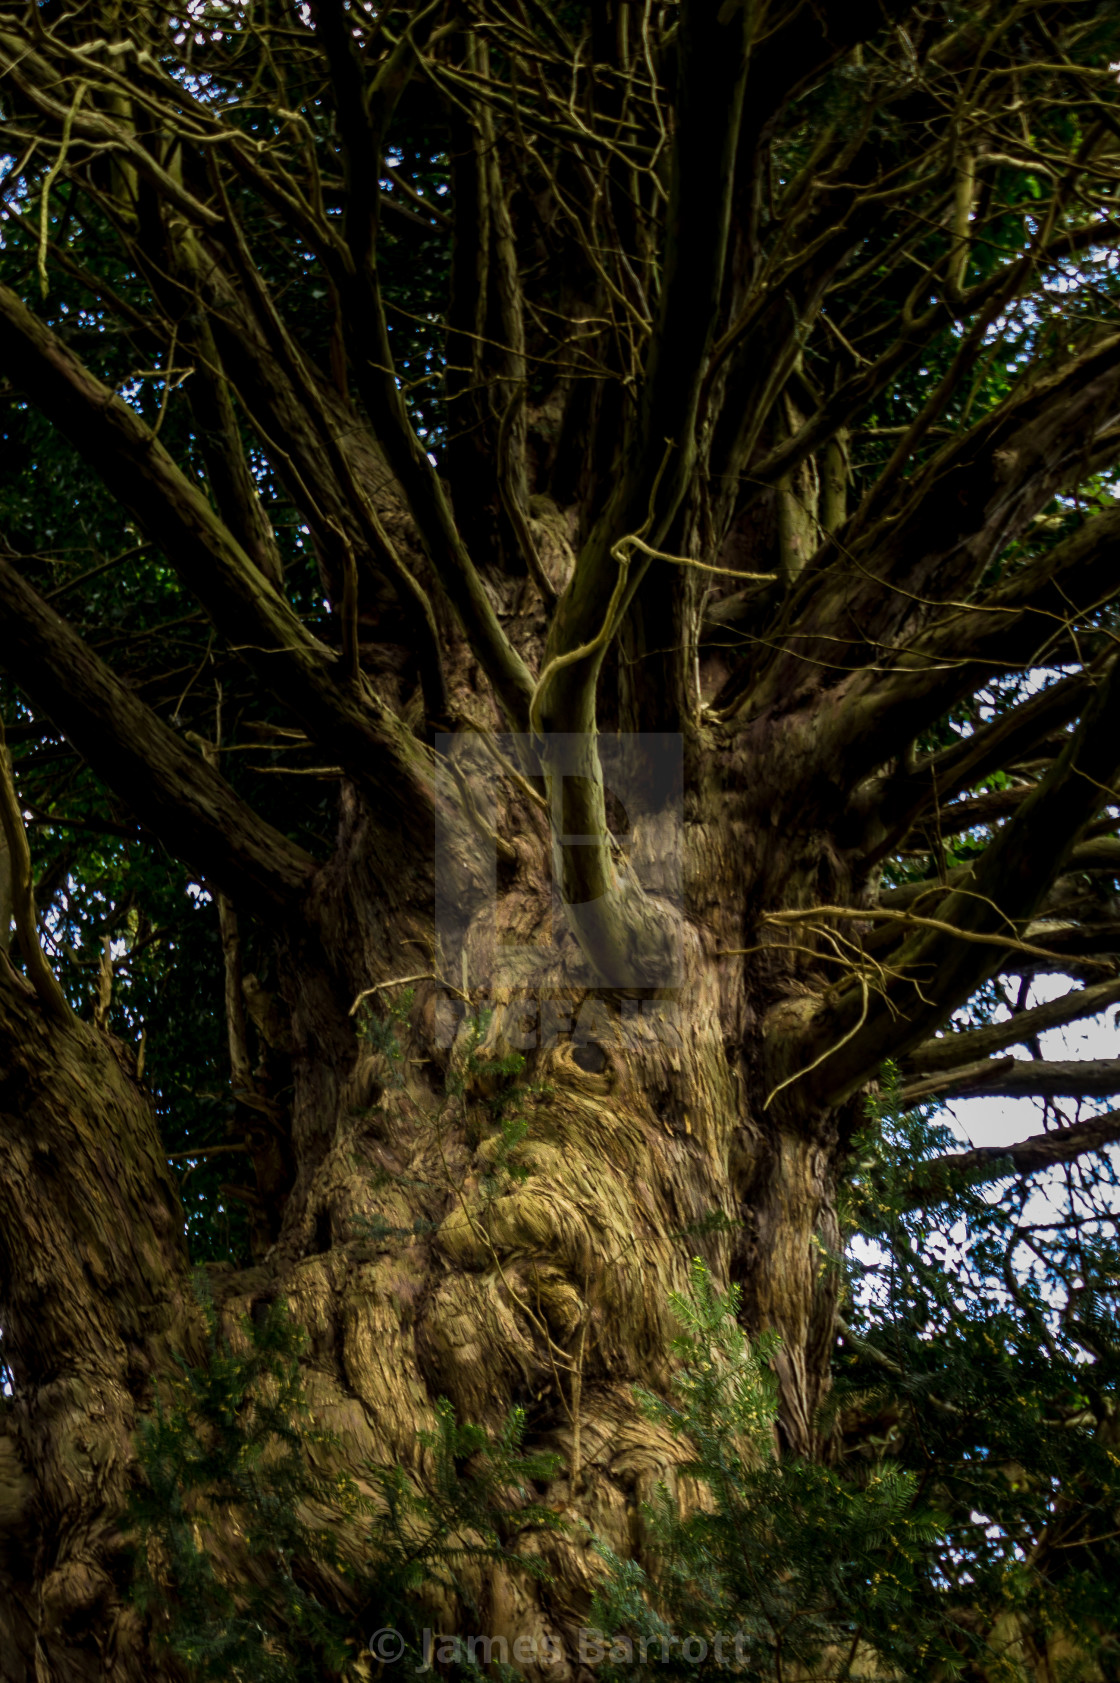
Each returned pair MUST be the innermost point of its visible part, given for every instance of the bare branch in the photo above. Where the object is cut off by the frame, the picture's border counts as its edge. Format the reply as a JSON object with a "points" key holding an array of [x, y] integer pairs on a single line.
{"points": [[22, 895], [936, 1180], [1010, 1078], [951, 1051]]}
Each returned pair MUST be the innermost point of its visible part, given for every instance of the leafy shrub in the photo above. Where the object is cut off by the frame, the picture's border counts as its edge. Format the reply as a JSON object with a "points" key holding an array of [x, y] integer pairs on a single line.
{"points": [[226, 1455], [224, 1469], [783, 1564]]}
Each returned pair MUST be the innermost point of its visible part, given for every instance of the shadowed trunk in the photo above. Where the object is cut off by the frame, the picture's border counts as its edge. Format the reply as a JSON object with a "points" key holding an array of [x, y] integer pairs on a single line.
{"points": [[93, 1263]]}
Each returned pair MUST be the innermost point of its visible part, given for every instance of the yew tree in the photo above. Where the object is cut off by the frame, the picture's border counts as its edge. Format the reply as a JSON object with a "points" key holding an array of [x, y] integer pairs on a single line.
{"points": [[557, 608]]}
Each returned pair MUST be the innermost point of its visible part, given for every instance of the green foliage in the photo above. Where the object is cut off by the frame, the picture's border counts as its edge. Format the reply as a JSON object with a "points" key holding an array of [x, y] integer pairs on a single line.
{"points": [[488, 1091], [477, 1503], [227, 1453], [711, 1225], [497, 1077], [781, 1561], [883, 1155], [981, 1357], [225, 1471], [374, 1229], [381, 1034]]}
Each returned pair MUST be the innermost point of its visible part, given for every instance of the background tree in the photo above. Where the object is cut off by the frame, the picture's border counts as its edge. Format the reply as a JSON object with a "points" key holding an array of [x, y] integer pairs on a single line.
{"points": [[742, 373]]}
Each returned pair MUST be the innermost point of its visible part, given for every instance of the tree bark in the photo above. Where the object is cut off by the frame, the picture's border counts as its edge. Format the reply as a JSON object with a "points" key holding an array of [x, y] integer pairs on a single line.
{"points": [[93, 1264], [552, 1294]]}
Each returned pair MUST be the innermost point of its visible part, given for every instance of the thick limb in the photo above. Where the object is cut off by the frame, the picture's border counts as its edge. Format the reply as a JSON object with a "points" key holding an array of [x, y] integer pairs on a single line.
{"points": [[935, 1181], [301, 671], [169, 787], [953, 1051], [1013, 1078]]}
